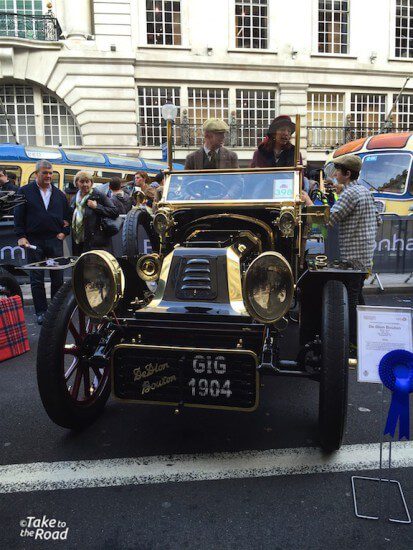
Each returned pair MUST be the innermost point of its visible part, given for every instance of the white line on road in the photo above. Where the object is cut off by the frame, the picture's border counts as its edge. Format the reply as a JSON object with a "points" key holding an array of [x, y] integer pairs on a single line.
{"points": [[49, 476]]}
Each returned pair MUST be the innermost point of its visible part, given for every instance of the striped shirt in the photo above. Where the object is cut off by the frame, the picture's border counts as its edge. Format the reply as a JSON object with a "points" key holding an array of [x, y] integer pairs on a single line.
{"points": [[357, 218]]}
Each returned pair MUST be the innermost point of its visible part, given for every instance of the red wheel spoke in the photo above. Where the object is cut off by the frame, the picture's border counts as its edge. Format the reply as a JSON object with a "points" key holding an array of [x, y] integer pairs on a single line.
{"points": [[82, 324], [75, 333], [86, 382], [76, 386], [97, 372], [71, 369], [71, 349]]}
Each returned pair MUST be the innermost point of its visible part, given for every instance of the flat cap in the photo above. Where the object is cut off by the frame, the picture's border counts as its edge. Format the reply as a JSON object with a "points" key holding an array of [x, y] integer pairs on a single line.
{"points": [[351, 162], [215, 125]]}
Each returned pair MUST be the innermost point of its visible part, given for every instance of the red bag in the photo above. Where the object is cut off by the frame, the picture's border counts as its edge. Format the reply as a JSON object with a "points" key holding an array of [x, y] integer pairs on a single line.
{"points": [[13, 330]]}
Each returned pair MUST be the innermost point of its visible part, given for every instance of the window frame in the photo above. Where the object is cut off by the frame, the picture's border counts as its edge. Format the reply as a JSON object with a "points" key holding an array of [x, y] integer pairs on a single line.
{"points": [[240, 119], [315, 42], [143, 139], [393, 22], [142, 38]]}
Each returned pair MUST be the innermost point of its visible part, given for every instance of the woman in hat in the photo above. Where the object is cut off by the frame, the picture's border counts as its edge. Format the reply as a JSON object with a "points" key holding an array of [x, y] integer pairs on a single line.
{"points": [[276, 148]]}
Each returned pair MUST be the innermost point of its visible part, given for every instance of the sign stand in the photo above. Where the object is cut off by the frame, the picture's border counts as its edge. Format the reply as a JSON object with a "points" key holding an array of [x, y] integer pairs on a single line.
{"points": [[381, 479], [378, 328], [377, 278]]}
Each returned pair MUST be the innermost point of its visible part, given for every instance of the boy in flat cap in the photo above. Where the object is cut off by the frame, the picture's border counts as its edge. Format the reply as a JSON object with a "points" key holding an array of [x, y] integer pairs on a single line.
{"points": [[212, 155], [357, 218]]}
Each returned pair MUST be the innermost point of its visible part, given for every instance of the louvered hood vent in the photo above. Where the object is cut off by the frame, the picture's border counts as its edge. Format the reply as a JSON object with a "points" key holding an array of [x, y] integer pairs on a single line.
{"points": [[197, 279]]}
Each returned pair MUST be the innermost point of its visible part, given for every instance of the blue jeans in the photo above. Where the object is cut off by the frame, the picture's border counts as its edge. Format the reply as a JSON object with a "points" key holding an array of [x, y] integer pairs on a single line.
{"points": [[46, 248]]}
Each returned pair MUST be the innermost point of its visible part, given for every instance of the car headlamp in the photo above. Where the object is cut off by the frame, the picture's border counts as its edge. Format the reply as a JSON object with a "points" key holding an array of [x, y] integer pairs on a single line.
{"points": [[98, 283], [163, 221], [268, 287], [286, 222], [148, 267]]}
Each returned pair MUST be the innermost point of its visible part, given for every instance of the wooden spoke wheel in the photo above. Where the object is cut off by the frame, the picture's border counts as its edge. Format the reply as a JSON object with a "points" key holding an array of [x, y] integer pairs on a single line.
{"points": [[73, 382]]}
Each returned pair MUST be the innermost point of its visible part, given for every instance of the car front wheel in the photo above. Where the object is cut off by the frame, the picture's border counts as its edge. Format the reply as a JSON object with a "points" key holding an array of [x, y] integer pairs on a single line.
{"points": [[73, 386]]}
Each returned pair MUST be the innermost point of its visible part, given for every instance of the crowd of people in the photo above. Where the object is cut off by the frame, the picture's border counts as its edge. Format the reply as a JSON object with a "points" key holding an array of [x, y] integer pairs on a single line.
{"points": [[46, 218], [44, 221]]}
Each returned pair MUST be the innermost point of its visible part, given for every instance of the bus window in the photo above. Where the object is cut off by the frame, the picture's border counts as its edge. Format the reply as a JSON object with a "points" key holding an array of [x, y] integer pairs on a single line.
{"points": [[55, 179], [69, 180], [43, 153], [385, 172], [14, 174], [111, 175], [85, 156]]}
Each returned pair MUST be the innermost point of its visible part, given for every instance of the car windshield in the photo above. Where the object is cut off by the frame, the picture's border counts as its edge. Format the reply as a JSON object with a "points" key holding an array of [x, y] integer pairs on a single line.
{"points": [[237, 186], [386, 172]]}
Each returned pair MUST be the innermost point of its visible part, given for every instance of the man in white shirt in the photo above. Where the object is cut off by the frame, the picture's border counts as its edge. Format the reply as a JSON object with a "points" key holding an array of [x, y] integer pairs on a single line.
{"points": [[43, 222]]}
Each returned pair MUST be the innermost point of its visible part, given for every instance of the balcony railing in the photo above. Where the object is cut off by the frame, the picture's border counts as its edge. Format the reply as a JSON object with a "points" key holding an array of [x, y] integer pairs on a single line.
{"points": [[34, 27], [187, 135], [327, 137]]}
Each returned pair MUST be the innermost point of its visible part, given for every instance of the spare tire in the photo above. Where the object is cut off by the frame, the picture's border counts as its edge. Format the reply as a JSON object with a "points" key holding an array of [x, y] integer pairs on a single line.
{"points": [[9, 285], [137, 233]]}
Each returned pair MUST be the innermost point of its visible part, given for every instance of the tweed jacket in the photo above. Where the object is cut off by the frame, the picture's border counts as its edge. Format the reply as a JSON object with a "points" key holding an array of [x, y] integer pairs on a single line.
{"points": [[225, 159]]}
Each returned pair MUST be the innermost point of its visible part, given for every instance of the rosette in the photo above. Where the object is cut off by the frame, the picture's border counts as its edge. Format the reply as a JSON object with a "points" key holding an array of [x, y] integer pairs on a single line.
{"points": [[396, 373]]}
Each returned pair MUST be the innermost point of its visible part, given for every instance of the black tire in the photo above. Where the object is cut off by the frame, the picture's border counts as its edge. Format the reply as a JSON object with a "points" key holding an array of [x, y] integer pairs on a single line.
{"points": [[135, 218], [62, 406], [9, 283], [334, 369]]}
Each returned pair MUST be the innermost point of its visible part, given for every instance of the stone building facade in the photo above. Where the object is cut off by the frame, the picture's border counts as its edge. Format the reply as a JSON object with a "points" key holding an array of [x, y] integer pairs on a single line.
{"points": [[94, 73]]}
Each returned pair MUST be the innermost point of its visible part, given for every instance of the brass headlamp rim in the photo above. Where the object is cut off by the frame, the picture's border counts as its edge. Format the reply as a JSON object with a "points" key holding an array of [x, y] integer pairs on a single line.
{"points": [[149, 278], [117, 282], [250, 309], [167, 214]]}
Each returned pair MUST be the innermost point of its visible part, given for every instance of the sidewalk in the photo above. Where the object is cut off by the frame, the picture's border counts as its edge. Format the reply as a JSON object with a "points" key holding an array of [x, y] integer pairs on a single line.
{"points": [[392, 282]]}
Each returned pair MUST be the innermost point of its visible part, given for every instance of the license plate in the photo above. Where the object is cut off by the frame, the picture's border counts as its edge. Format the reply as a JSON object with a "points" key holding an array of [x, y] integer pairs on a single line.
{"points": [[212, 378]]}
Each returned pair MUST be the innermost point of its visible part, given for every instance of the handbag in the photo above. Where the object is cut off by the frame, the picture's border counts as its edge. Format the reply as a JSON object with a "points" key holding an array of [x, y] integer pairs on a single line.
{"points": [[111, 227]]}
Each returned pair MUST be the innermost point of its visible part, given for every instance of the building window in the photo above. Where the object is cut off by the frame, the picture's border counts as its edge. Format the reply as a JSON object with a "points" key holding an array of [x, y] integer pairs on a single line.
{"points": [[251, 23], [18, 104], [57, 124], [368, 112], [404, 112], [255, 110], [204, 103], [333, 26], [152, 128], [404, 28], [60, 127], [163, 22], [325, 118], [26, 7]]}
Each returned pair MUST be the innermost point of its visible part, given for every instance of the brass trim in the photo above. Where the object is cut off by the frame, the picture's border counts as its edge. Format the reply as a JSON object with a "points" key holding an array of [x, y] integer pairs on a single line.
{"points": [[235, 282], [191, 405], [118, 281], [231, 202], [163, 278], [241, 217]]}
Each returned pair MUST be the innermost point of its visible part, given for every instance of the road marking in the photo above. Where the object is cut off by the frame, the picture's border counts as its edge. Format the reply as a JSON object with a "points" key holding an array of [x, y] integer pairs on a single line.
{"points": [[50, 476]]}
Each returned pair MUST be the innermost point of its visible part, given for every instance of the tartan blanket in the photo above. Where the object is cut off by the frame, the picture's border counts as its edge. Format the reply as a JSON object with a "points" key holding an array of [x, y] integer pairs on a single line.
{"points": [[13, 330]]}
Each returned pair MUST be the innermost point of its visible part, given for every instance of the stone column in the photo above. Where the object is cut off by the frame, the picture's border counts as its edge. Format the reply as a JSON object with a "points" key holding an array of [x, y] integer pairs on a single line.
{"points": [[293, 101], [77, 22]]}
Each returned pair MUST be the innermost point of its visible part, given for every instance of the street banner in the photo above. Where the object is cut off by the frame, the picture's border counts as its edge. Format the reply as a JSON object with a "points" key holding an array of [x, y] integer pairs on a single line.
{"points": [[380, 331]]}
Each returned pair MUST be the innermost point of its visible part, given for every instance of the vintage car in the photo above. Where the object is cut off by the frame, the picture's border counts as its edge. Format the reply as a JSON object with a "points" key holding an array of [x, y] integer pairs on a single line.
{"points": [[231, 273]]}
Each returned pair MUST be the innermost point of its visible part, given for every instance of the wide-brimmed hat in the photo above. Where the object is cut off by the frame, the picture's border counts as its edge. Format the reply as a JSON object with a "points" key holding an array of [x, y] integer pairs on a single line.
{"points": [[350, 162], [215, 125], [280, 121]]}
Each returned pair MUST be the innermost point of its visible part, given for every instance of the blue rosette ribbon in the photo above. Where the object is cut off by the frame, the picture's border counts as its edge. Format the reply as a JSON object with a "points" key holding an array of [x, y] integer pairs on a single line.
{"points": [[396, 373]]}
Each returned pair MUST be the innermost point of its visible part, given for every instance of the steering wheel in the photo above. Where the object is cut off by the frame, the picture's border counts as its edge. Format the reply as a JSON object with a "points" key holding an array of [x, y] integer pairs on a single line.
{"points": [[203, 188]]}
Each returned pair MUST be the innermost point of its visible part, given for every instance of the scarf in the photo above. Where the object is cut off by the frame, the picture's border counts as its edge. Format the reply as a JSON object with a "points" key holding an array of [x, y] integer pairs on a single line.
{"points": [[78, 227]]}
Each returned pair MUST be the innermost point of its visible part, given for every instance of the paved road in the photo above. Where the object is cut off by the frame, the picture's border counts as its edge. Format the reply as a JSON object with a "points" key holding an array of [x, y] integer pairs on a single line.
{"points": [[256, 480]]}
